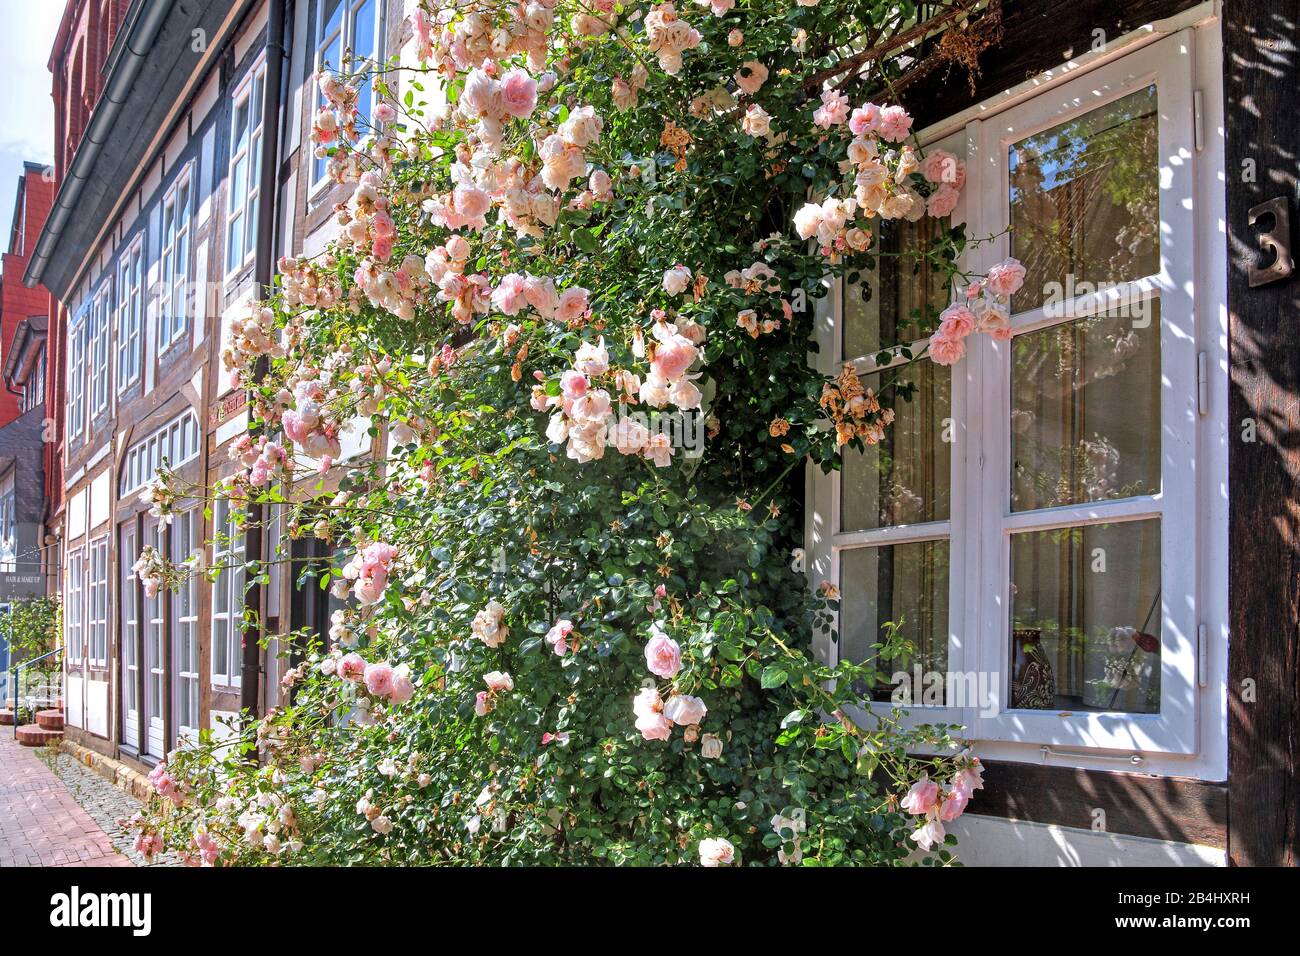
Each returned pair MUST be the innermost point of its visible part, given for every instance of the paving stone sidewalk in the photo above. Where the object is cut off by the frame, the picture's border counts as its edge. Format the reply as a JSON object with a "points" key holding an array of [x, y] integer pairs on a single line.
{"points": [[55, 812]]}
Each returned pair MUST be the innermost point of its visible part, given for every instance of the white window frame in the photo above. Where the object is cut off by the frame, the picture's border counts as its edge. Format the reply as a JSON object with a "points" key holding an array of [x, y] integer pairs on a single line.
{"points": [[130, 314], [227, 594], [74, 607], [1191, 454], [129, 650], [238, 217], [345, 33], [174, 259], [98, 366], [76, 397], [176, 443], [97, 601], [185, 531]]}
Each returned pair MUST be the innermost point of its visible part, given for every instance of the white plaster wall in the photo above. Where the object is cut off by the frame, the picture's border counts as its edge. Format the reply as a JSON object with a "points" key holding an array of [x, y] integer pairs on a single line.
{"points": [[97, 707]]}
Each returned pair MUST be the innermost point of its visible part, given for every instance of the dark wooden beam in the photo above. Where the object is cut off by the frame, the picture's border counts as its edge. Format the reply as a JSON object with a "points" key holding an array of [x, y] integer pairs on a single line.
{"points": [[1261, 80], [1037, 35], [1161, 808]]}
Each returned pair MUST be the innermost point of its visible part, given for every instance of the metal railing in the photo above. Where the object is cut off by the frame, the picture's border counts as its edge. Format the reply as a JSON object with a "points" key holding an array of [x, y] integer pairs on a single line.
{"points": [[42, 693]]}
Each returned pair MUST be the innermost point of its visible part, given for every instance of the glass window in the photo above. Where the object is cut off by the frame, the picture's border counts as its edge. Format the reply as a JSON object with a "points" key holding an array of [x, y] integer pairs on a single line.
{"points": [[227, 594], [245, 159]]}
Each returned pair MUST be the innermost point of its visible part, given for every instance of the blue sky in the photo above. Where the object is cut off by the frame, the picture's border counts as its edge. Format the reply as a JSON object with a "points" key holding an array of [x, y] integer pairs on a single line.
{"points": [[27, 29]]}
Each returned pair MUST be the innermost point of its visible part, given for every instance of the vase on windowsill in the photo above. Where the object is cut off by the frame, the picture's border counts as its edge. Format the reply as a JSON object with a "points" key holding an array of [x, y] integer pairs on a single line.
{"points": [[1033, 683]]}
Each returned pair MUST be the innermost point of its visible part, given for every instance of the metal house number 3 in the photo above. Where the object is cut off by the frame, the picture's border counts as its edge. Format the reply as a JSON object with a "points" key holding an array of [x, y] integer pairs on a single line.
{"points": [[1275, 240]]}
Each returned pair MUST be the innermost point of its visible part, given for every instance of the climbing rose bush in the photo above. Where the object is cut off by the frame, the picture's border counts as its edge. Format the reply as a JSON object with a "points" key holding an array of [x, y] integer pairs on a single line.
{"points": [[573, 299]]}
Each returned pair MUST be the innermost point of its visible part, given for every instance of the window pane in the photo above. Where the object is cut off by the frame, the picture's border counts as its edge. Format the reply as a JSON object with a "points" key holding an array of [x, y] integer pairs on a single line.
{"points": [[1085, 411], [1085, 199], [903, 583], [895, 302], [907, 477], [1085, 618]]}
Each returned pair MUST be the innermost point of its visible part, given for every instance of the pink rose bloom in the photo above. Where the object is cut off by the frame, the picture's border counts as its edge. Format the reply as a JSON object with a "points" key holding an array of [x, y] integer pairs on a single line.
{"points": [[970, 779], [294, 427], [895, 124], [946, 351], [382, 248], [402, 688], [573, 303], [663, 656], [716, 852], [558, 636], [369, 588], [673, 356], [865, 119], [508, 297], [574, 384], [352, 667], [541, 295], [927, 836], [942, 201], [684, 710], [922, 798], [381, 224], [1006, 277], [956, 322], [751, 76], [954, 805], [472, 203], [384, 113], [482, 705], [833, 111], [939, 166], [650, 720], [379, 678], [808, 220], [518, 93], [498, 681], [629, 436]]}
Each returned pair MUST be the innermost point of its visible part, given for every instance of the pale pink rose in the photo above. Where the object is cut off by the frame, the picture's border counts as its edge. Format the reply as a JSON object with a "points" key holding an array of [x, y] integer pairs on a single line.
{"points": [[673, 356], [650, 720], [379, 678], [472, 203], [659, 449], [922, 797], [1006, 277], [929, 835], [369, 588], [481, 96], [865, 120], [558, 636], [939, 166], [663, 656], [498, 681], [808, 220], [352, 667], [654, 390], [602, 188], [540, 293], [956, 322], [402, 688], [573, 303], [629, 436], [573, 384], [751, 76], [946, 351], [684, 710], [677, 280], [582, 128], [561, 162], [895, 124], [508, 297], [483, 704], [942, 201], [970, 779], [954, 805], [518, 93], [384, 113], [756, 122], [685, 395], [716, 852], [833, 111]]}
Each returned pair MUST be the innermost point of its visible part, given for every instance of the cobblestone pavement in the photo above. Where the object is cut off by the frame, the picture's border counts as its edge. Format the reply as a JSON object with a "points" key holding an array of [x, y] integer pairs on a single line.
{"points": [[41, 823], [106, 804]]}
